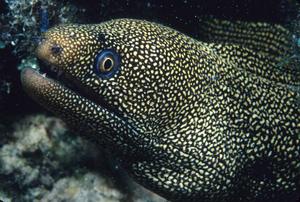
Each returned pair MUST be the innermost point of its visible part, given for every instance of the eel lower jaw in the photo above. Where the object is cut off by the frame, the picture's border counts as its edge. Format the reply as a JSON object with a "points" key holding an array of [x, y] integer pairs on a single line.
{"points": [[61, 100], [82, 114], [39, 84]]}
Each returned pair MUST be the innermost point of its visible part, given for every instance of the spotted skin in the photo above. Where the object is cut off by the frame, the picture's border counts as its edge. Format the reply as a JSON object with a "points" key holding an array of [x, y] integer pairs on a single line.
{"points": [[190, 120]]}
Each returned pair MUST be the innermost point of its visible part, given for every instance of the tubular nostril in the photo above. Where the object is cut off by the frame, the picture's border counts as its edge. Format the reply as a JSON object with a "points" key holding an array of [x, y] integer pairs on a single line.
{"points": [[56, 49]]}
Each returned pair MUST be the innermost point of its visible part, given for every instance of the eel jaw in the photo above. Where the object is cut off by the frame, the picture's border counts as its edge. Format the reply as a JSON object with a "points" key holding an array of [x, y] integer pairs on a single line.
{"points": [[66, 103], [82, 114]]}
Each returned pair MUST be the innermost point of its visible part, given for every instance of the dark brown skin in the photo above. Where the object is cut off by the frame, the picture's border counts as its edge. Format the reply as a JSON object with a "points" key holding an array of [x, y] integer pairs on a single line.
{"points": [[190, 120]]}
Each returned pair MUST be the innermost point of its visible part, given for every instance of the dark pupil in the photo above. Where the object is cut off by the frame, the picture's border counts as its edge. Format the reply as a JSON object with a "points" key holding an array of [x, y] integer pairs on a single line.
{"points": [[107, 64]]}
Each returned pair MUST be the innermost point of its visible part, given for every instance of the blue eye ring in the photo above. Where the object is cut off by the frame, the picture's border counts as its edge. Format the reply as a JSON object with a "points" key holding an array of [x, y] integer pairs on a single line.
{"points": [[107, 63]]}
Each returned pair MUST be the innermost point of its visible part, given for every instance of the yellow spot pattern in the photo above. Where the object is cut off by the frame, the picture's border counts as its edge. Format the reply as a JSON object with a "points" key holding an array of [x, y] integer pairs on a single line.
{"points": [[191, 120]]}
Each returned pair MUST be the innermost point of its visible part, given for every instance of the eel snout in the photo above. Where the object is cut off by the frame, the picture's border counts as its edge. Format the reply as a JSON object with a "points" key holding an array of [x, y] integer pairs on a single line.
{"points": [[49, 52]]}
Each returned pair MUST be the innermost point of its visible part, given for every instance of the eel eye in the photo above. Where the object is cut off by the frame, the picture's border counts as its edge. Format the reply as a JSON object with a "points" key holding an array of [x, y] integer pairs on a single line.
{"points": [[107, 64]]}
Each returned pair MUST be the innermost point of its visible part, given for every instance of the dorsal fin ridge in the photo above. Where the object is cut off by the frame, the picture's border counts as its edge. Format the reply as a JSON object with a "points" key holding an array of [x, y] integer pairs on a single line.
{"points": [[271, 40], [257, 47]]}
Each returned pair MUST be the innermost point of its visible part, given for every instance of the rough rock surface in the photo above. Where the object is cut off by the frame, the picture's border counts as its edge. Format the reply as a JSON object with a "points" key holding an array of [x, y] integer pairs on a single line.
{"points": [[40, 160]]}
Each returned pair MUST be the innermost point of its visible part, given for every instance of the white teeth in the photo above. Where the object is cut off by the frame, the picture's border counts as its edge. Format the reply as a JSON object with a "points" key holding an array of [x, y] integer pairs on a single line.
{"points": [[44, 75]]}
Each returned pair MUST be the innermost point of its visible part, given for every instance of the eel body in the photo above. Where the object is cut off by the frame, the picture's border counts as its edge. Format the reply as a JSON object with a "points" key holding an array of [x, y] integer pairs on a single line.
{"points": [[209, 120]]}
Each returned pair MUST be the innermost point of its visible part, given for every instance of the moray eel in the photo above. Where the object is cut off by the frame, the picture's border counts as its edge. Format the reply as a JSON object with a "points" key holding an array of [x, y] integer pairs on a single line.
{"points": [[208, 120]]}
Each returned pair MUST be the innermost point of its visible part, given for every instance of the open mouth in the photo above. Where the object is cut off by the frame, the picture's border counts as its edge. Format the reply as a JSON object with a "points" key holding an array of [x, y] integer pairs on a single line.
{"points": [[35, 81], [44, 83], [52, 78], [55, 73], [51, 70], [80, 112]]}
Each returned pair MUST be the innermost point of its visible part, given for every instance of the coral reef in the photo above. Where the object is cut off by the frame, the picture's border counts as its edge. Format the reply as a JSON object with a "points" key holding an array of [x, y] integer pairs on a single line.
{"points": [[89, 186], [41, 160], [21, 25]]}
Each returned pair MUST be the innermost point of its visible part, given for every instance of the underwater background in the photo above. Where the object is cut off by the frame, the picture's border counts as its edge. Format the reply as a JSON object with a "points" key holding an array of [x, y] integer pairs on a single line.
{"points": [[40, 159]]}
